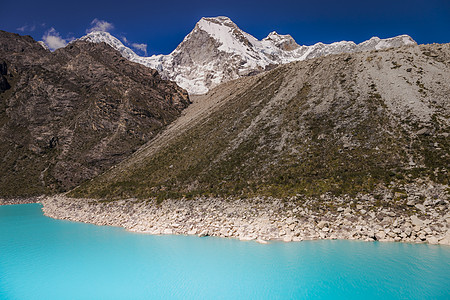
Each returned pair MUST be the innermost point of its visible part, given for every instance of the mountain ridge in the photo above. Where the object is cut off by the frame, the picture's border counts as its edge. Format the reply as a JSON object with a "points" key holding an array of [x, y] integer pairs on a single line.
{"points": [[217, 50], [68, 115]]}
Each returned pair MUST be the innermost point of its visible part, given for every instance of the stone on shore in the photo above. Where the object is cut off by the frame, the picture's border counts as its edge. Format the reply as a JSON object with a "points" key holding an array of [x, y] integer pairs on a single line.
{"points": [[263, 219], [416, 221]]}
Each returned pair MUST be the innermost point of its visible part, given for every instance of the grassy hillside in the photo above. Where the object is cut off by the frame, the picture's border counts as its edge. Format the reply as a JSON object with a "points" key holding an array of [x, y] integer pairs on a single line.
{"points": [[339, 124]]}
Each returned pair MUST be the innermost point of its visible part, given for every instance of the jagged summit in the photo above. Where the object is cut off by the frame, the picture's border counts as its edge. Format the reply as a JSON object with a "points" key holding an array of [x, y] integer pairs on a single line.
{"points": [[227, 33], [283, 41], [217, 50], [106, 37], [219, 20], [273, 34], [378, 44]]}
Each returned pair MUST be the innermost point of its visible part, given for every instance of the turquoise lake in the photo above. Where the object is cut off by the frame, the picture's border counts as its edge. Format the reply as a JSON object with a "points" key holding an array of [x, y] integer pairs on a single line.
{"points": [[43, 258]]}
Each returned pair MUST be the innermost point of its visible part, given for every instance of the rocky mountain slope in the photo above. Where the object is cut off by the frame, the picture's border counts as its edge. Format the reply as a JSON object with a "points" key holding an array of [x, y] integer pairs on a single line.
{"points": [[66, 116], [340, 124], [217, 50]]}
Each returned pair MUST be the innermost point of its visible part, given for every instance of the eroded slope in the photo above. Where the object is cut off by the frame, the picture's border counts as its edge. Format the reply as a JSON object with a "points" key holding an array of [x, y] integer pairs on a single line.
{"points": [[341, 124]]}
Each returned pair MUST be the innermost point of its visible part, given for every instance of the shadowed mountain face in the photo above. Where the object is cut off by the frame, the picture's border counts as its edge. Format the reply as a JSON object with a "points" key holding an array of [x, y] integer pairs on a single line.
{"points": [[66, 116], [344, 123]]}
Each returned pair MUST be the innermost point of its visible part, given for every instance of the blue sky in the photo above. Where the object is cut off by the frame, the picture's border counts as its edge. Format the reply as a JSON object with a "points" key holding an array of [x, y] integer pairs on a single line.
{"points": [[159, 26]]}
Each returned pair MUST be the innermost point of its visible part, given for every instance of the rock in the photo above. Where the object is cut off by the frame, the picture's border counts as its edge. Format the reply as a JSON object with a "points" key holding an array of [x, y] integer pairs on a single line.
{"points": [[392, 234], [168, 231], [395, 223], [223, 232], [420, 206], [411, 203], [417, 229], [203, 233], [427, 230], [287, 238], [192, 232], [445, 240], [427, 203], [416, 221], [424, 131], [247, 238], [289, 221], [322, 224], [432, 240], [380, 235]]}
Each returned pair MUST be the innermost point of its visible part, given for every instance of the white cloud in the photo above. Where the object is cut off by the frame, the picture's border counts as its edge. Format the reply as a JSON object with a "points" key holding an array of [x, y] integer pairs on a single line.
{"points": [[26, 28], [142, 47], [100, 25], [53, 39]]}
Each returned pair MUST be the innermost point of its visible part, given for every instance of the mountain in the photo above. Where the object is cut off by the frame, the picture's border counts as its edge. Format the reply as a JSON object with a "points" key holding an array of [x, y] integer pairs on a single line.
{"points": [[217, 50], [339, 124], [66, 116]]}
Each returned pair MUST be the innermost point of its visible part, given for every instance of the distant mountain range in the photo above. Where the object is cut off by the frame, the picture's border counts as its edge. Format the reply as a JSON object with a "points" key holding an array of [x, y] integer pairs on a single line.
{"points": [[217, 50]]}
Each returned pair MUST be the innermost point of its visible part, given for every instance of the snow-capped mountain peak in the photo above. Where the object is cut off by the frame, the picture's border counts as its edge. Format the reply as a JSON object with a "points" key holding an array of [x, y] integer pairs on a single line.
{"points": [[106, 37], [283, 41], [224, 31], [217, 50], [220, 20], [375, 43]]}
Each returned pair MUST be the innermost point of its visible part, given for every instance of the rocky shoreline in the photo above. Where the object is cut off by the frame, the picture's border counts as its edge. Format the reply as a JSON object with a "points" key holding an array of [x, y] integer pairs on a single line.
{"points": [[421, 217], [12, 201]]}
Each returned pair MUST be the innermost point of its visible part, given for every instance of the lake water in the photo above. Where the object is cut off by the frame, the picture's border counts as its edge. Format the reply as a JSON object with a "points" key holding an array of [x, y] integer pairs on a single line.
{"points": [[43, 258]]}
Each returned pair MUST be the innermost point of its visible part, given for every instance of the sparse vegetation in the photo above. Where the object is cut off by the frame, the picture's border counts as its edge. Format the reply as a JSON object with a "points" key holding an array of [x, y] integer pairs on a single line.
{"points": [[298, 129]]}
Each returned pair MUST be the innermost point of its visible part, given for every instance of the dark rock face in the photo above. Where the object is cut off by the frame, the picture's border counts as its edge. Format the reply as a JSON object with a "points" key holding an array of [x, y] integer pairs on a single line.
{"points": [[4, 85], [66, 116]]}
